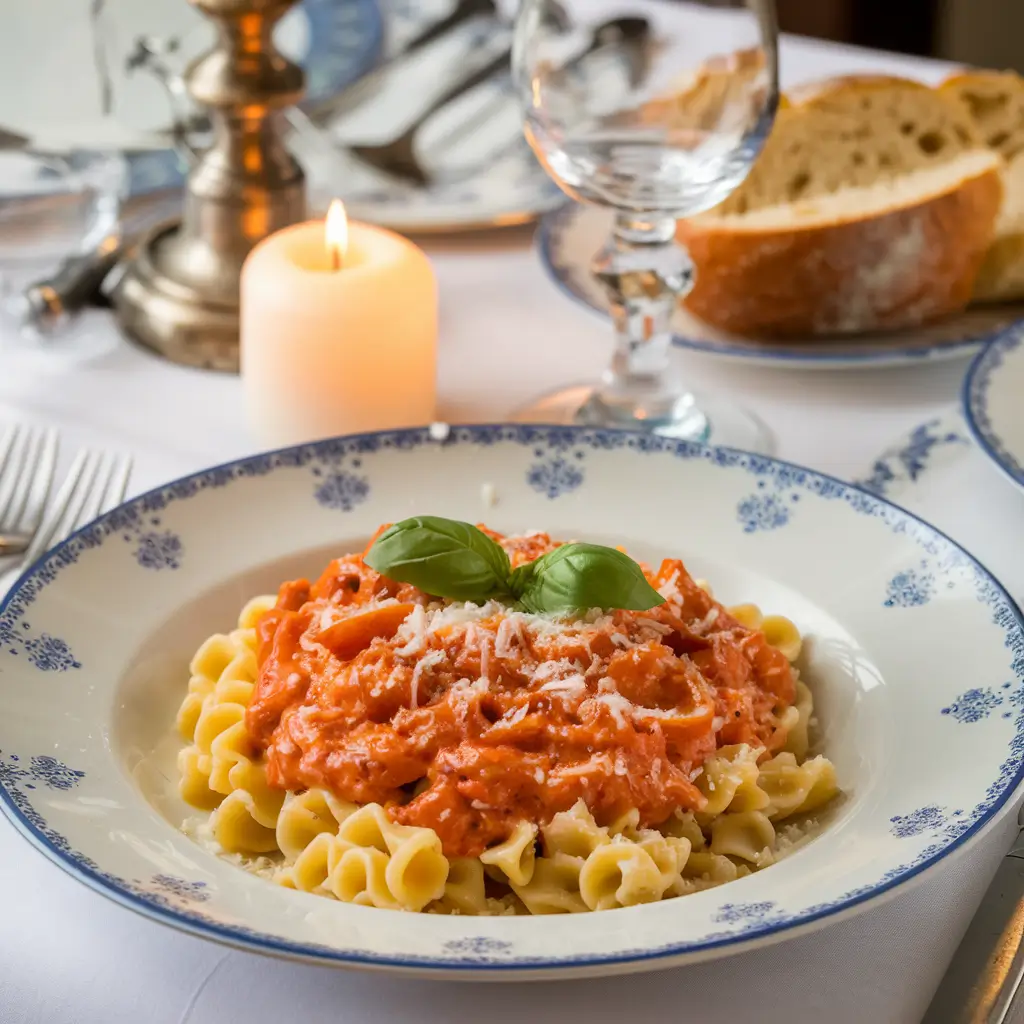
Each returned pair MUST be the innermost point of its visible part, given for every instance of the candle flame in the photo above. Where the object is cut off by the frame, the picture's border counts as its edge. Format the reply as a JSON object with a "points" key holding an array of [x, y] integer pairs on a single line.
{"points": [[336, 233]]}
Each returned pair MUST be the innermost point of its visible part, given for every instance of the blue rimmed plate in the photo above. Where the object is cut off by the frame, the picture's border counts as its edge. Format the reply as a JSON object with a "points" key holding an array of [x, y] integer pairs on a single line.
{"points": [[568, 238], [95, 642], [992, 402]]}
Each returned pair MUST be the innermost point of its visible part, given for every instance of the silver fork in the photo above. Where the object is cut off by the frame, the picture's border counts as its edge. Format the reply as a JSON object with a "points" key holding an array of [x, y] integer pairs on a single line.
{"points": [[630, 35], [95, 484], [28, 458]]}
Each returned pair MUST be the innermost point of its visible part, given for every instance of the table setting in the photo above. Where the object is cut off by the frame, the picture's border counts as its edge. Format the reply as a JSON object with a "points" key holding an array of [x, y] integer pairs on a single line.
{"points": [[492, 309]]}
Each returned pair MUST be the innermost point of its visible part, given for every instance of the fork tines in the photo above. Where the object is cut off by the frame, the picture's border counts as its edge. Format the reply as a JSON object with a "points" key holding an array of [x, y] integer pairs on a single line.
{"points": [[96, 482], [28, 458]]}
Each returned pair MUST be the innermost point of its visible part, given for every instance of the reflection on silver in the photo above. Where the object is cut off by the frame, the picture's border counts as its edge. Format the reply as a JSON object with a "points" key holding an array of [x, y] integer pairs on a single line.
{"points": [[983, 982]]}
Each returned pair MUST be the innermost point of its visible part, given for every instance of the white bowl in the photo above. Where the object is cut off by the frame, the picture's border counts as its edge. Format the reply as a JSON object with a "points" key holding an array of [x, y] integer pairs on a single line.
{"points": [[914, 652]]}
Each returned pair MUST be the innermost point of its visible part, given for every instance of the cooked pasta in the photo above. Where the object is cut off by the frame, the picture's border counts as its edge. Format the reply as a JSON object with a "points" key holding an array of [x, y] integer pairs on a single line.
{"points": [[387, 749]]}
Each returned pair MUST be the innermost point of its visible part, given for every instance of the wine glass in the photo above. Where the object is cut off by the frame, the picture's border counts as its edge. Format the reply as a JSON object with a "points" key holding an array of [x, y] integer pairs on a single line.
{"points": [[656, 115]]}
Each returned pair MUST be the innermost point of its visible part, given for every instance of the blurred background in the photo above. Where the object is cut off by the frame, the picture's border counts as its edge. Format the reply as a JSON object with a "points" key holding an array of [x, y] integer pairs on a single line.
{"points": [[989, 33]]}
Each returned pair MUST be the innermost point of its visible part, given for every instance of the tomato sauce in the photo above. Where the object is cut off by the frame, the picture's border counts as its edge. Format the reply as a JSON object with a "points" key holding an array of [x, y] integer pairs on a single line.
{"points": [[469, 720]]}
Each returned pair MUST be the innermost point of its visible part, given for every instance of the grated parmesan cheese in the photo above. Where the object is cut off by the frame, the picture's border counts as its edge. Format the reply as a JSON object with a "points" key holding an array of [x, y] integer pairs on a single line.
{"points": [[658, 627], [571, 686], [618, 705], [488, 495], [517, 715], [509, 630], [414, 631], [670, 588], [429, 660], [485, 657]]}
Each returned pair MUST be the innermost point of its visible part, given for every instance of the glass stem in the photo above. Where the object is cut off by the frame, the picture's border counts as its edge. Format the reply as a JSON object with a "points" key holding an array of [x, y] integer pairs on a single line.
{"points": [[645, 273]]}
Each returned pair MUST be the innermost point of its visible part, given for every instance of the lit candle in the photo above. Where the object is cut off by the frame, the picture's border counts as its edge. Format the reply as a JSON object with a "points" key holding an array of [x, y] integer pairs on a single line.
{"points": [[338, 331]]}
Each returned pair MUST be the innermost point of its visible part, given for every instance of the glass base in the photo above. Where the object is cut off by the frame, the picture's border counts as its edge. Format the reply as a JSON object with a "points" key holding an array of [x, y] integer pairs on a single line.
{"points": [[691, 417]]}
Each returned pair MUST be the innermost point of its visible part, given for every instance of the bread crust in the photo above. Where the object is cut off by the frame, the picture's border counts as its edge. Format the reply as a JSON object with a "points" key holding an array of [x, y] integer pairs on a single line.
{"points": [[958, 80], [808, 93], [901, 268], [1001, 278]]}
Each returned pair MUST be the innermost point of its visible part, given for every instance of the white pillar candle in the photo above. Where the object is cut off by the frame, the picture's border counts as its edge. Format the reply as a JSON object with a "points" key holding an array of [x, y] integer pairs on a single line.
{"points": [[337, 335]]}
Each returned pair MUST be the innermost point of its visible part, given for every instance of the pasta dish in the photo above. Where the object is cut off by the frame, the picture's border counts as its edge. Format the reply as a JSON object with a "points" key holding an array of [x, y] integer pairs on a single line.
{"points": [[364, 739]]}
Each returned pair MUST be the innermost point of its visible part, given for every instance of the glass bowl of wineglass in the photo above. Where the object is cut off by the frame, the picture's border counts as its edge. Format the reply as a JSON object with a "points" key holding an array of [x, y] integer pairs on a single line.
{"points": [[656, 115]]}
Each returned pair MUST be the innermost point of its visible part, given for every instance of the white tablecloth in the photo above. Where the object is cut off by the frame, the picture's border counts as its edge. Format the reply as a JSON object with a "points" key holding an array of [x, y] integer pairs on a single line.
{"points": [[66, 954]]}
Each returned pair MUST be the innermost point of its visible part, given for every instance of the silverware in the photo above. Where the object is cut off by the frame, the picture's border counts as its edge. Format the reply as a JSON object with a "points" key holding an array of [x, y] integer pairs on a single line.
{"points": [[151, 53], [95, 484], [983, 982], [28, 458], [363, 89], [398, 158], [47, 306]]}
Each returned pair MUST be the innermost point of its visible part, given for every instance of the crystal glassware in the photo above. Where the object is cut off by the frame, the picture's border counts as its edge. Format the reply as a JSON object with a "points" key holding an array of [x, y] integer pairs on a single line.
{"points": [[661, 119]]}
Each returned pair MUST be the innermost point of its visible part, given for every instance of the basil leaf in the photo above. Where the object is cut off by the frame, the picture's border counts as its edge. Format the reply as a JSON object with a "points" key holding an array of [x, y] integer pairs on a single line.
{"points": [[578, 576], [442, 557]]}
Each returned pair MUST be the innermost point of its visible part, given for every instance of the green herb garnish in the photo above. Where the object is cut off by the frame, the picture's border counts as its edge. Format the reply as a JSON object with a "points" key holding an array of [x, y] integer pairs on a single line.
{"points": [[455, 560]]}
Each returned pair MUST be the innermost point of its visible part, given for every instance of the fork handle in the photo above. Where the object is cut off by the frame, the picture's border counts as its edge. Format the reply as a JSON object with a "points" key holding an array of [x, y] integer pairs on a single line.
{"points": [[481, 75], [463, 11], [14, 543]]}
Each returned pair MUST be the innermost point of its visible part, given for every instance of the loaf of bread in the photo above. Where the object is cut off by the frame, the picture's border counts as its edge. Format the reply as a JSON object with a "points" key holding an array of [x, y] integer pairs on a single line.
{"points": [[871, 207], [994, 101]]}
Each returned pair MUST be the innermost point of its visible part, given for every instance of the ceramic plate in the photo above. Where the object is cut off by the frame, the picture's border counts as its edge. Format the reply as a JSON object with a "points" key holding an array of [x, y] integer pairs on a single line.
{"points": [[569, 237], [991, 402], [484, 173], [96, 640], [336, 41]]}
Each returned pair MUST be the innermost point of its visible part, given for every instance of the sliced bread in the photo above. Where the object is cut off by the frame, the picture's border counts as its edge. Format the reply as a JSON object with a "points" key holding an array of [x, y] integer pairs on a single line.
{"points": [[994, 100], [871, 206]]}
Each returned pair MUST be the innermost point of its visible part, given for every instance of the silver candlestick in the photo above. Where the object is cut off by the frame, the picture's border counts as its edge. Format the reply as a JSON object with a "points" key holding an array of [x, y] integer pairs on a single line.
{"points": [[179, 295]]}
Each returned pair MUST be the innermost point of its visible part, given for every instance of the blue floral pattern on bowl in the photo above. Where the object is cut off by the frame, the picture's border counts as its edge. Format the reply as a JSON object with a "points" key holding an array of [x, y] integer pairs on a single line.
{"points": [[762, 512], [172, 885], [910, 589], [556, 475], [340, 489], [976, 704], [40, 770], [47, 653], [155, 548]]}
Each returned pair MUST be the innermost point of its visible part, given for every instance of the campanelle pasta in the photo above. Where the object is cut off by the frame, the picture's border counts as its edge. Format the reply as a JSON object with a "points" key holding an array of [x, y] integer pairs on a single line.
{"points": [[581, 828]]}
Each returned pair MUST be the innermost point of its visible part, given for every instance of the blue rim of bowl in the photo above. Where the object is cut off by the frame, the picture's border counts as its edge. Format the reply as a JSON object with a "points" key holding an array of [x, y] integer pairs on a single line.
{"points": [[555, 221], [243, 937], [974, 400]]}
